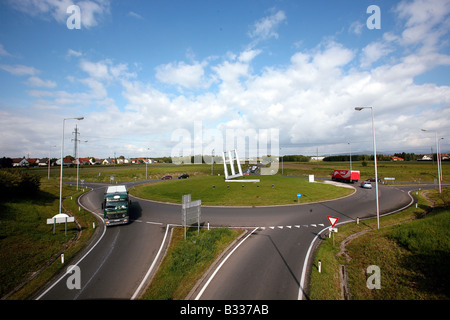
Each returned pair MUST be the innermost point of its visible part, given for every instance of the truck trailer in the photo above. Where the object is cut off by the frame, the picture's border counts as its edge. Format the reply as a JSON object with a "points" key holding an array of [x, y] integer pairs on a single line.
{"points": [[116, 205], [346, 176]]}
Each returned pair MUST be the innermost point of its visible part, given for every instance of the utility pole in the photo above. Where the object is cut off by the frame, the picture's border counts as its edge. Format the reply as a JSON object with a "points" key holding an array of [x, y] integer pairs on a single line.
{"points": [[75, 150]]}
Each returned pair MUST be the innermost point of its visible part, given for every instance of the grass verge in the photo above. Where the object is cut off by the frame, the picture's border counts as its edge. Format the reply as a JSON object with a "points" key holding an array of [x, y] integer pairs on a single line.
{"points": [[412, 250], [29, 250], [187, 260], [213, 190]]}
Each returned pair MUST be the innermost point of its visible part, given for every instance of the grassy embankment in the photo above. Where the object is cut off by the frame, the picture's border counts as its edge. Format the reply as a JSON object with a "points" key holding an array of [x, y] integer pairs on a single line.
{"points": [[412, 250], [28, 246], [187, 260]]}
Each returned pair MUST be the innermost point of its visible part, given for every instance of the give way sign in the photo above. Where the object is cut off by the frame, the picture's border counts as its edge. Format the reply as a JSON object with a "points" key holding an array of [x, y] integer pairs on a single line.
{"points": [[332, 220]]}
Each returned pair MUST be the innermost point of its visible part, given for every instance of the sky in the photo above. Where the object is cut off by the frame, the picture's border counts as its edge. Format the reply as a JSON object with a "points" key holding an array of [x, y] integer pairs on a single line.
{"points": [[161, 78]]}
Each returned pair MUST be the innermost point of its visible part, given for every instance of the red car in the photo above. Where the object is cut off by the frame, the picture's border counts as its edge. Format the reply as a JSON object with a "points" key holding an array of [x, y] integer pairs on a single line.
{"points": [[166, 178]]}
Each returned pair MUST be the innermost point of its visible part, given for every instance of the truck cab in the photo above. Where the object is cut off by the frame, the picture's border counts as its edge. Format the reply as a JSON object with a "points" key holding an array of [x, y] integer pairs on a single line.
{"points": [[116, 205]]}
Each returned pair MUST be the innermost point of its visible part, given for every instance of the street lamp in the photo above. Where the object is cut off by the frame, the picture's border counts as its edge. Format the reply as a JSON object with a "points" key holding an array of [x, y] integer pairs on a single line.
{"points": [[375, 158], [438, 158], [62, 162]]}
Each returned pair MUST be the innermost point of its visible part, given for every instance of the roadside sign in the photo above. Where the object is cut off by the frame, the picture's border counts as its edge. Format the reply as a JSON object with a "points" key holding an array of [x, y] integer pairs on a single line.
{"points": [[332, 220], [299, 195], [60, 218]]}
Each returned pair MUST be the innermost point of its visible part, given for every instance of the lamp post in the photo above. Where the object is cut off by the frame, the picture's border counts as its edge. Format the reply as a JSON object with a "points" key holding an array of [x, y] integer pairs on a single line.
{"points": [[62, 162], [375, 158], [438, 158]]}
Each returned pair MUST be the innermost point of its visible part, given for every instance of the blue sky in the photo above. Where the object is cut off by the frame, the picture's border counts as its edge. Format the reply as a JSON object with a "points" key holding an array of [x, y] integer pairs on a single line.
{"points": [[143, 72]]}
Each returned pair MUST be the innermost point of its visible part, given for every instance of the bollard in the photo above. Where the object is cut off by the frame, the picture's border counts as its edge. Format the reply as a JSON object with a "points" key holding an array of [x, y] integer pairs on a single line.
{"points": [[62, 258], [320, 266], [93, 225], [357, 220]]}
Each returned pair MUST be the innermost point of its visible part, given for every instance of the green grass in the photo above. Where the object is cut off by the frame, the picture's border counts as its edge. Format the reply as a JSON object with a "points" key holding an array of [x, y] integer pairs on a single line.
{"points": [[408, 171], [412, 250], [27, 243], [214, 190], [187, 260]]}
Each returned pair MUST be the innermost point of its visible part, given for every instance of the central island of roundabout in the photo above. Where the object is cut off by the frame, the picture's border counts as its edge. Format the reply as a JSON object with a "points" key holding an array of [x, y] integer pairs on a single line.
{"points": [[215, 191]]}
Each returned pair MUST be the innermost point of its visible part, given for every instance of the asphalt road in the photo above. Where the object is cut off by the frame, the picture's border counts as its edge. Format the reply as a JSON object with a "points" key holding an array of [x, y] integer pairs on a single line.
{"points": [[269, 264]]}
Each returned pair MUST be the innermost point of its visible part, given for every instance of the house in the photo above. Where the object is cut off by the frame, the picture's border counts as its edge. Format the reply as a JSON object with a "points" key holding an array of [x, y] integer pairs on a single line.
{"points": [[66, 162], [20, 162], [394, 158], [425, 157], [108, 161], [43, 162], [82, 161]]}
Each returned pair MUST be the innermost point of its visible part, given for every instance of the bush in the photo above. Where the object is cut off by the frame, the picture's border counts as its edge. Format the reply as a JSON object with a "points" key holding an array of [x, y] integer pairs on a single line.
{"points": [[14, 182]]}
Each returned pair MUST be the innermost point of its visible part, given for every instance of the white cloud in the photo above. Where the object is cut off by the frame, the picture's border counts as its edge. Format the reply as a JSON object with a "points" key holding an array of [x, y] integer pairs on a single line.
{"points": [[135, 15], [38, 82], [190, 76], [91, 10], [3, 51], [265, 28], [73, 53], [426, 21], [356, 27], [19, 69], [373, 52]]}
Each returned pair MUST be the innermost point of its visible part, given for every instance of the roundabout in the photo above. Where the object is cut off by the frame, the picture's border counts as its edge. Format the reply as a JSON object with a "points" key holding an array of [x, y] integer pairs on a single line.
{"points": [[270, 262]]}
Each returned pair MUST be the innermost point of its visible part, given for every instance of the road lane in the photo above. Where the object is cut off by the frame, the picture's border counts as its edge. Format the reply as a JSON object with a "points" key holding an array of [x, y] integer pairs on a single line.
{"points": [[270, 264]]}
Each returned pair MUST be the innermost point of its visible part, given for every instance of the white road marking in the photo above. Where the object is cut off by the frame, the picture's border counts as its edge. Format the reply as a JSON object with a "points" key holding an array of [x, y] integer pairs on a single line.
{"points": [[221, 264]]}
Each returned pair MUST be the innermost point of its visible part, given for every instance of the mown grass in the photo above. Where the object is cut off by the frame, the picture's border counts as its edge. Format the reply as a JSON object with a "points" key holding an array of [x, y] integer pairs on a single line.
{"points": [[407, 171], [212, 190], [27, 243], [412, 250], [187, 260]]}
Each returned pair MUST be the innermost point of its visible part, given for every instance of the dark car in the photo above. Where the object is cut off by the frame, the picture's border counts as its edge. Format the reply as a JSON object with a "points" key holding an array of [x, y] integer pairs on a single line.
{"points": [[166, 178], [183, 176], [373, 179]]}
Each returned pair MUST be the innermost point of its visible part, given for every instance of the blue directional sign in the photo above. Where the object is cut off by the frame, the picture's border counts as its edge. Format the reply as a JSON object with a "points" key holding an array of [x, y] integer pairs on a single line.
{"points": [[299, 195]]}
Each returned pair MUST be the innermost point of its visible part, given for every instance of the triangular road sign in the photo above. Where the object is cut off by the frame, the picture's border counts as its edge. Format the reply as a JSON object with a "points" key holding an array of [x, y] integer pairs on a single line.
{"points": [[332, 220]]}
